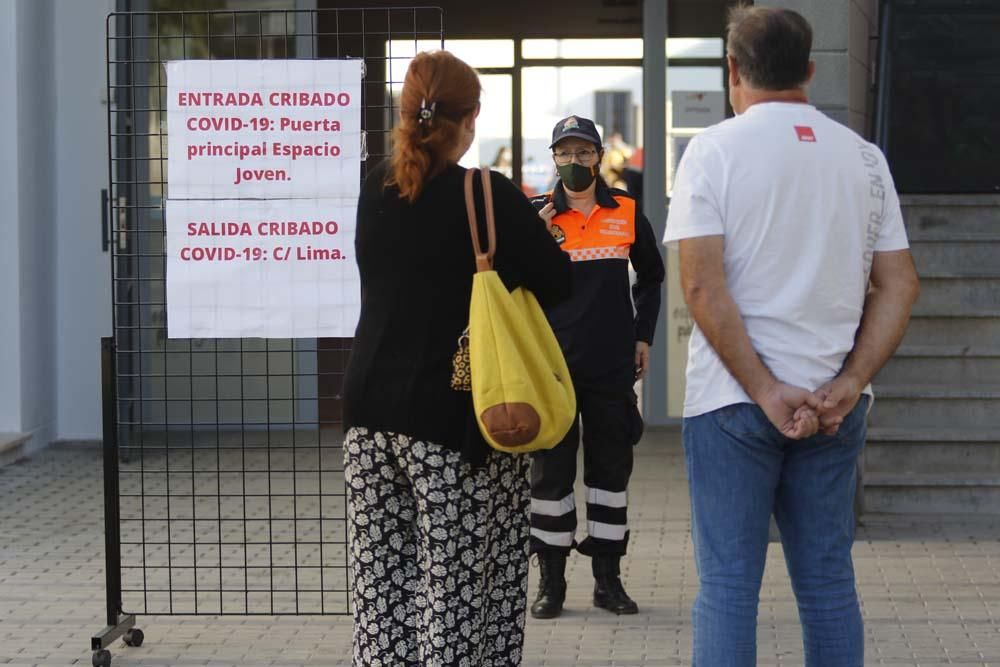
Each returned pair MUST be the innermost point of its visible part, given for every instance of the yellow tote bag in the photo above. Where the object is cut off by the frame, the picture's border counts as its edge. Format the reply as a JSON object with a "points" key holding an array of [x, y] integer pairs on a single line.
{"points": [[521, 387]]}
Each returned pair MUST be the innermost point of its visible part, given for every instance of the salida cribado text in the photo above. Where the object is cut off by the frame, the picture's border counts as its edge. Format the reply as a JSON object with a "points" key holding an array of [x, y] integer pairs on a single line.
{"points": [[254, 253]]}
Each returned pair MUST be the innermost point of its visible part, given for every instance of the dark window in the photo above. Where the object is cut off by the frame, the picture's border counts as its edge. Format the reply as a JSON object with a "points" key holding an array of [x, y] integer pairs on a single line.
{"points": [[943, 134]]}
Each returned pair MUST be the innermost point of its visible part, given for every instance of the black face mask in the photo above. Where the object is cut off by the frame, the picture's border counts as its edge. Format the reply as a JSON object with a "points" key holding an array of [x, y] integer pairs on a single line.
{"points": [[576, 177]]}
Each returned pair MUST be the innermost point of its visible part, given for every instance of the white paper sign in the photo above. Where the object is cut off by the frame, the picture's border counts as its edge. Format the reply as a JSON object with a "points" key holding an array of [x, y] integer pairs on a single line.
{"points": [[264, 169], [269, 269], [264, 129], [697, 108]]}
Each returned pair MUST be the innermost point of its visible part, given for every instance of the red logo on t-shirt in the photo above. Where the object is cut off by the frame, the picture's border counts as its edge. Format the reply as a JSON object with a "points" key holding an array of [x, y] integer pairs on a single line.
{"points": [[805, 133]]}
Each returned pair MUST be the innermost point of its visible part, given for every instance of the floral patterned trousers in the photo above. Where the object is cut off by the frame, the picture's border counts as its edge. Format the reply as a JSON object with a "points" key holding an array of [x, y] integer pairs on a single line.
{"points": [[439, 553]]}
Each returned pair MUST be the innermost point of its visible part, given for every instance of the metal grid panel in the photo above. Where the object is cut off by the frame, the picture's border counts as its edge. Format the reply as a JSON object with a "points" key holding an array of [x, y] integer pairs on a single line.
{"points": [[230, 483]]}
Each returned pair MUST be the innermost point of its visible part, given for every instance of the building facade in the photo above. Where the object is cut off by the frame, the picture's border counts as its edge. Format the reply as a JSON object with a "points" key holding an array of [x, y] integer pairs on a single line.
{"points": [[932, 447]]}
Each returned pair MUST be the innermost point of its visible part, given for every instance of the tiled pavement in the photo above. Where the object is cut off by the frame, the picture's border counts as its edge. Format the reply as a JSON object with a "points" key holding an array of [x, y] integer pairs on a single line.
{"points": [[930, 587]]}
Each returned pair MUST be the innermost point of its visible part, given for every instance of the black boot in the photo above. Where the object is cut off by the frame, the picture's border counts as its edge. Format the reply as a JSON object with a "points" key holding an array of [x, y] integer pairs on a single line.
{"points": [[608, 590], [551, 586]]}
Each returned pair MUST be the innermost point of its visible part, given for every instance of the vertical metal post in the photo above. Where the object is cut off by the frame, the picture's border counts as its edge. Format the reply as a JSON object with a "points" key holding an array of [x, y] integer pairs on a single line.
{"points": [[306, 39], [118, 625], [654, 186], [516, 129], [112, 536], [884, 78]]}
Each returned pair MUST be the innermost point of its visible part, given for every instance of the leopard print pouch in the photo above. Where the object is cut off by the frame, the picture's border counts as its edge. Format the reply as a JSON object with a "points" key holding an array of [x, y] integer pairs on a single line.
{"points": [[461, 375]]}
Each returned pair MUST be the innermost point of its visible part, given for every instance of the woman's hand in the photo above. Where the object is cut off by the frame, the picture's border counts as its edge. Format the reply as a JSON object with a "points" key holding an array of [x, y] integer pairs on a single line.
{"points": [[547, 213], [641, 359]]}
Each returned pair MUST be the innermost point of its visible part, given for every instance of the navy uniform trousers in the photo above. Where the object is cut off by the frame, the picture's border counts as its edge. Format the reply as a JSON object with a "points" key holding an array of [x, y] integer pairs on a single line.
{"points": [[610, 426]]}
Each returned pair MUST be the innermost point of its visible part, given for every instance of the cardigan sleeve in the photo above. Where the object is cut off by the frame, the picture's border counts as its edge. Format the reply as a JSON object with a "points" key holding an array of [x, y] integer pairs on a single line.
{"points": [[527, 255]]}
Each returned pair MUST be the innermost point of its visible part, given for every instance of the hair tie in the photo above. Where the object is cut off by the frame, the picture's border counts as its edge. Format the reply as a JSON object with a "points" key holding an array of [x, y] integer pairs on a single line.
{"points": [[426, 113]]}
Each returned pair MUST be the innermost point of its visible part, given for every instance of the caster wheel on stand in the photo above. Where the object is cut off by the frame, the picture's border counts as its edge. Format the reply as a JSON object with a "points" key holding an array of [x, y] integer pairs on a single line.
{"points": [[134, 637], [102, 658]]}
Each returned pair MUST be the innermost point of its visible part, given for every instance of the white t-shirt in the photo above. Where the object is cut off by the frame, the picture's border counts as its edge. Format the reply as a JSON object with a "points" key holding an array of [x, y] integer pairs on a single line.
{"points": [[802, 203]]}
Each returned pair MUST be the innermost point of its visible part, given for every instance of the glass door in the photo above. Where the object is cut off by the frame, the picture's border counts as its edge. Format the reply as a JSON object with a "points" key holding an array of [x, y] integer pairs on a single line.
{"points": [[494, 61], [601, 79], [610, 96]]}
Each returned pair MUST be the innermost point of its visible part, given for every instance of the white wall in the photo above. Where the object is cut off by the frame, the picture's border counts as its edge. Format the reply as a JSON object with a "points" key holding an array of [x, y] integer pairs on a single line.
{"points": [[830, 20], [54, 284], [83, 293], [36, 214], [862, 50], [10, 282], [842, 50]]}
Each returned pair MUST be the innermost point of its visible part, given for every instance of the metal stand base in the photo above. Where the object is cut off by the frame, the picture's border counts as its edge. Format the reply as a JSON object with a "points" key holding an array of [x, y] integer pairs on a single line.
{"points": [[100, 642], [108, 635]]}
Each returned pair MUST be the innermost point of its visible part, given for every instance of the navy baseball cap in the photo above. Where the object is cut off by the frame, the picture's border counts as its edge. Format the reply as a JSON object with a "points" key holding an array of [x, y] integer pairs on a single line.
{"points": [[576, 126]]}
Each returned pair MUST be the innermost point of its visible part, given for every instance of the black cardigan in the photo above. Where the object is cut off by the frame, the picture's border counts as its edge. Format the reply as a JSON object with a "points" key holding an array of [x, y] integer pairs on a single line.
{"points": [[416, 263]]}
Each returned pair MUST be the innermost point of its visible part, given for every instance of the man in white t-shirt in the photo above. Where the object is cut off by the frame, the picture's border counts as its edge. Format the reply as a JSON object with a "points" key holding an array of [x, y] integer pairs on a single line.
{"points": [[796, 269]]}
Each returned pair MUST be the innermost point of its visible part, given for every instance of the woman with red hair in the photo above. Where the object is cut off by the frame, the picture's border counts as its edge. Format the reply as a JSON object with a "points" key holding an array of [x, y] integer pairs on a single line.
{"points": [[437, 521]]}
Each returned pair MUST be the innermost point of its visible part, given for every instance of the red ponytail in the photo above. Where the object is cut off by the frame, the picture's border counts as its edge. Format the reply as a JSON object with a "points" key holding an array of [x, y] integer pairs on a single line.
{"points": [[439, 92]]}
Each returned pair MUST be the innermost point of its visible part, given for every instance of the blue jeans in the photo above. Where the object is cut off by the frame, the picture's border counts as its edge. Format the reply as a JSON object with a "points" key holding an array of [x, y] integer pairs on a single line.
{"points": [[741, 470]]}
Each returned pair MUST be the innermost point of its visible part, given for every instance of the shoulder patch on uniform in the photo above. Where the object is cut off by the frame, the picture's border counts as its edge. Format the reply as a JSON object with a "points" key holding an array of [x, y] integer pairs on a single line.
{"points": [[557, 233]]}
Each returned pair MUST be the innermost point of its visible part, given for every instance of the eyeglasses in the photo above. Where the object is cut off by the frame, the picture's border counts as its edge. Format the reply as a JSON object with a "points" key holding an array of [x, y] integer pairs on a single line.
{"points": [[583, 156]]}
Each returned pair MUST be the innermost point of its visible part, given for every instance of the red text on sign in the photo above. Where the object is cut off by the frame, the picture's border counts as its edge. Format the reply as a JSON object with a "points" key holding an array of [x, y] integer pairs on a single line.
{"points": [[260, 175], [269, 228]]}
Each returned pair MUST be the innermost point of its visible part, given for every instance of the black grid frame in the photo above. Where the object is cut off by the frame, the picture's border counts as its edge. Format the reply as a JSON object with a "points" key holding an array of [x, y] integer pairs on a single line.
{"points": [[223, 457]]}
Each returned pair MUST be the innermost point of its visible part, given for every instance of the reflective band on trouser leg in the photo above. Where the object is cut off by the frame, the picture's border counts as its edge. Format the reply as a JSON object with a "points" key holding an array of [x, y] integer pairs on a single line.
{"points": [[553, 539], [553, 522], [606, 498], [606, 531], [553, 507], [607, 514]]}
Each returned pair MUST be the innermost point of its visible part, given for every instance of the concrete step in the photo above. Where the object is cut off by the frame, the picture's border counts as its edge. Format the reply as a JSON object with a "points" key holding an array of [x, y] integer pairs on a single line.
{"points": [[12, 447], [945, 470], [936, 406], [893, 434], [944, 259], [951, 330], [961, 493], [934, 436], [933, 479], [965, 296], [926, 451], [952, 218], [942, 364]]}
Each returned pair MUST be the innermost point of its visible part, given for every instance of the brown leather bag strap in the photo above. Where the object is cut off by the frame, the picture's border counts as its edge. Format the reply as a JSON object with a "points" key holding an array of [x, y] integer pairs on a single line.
{"points": [[484, 260], [491, 225]]}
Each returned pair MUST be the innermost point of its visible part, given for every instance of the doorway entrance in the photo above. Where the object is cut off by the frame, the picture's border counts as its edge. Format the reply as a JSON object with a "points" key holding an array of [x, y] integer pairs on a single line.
{"points": [[529, 84]]}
